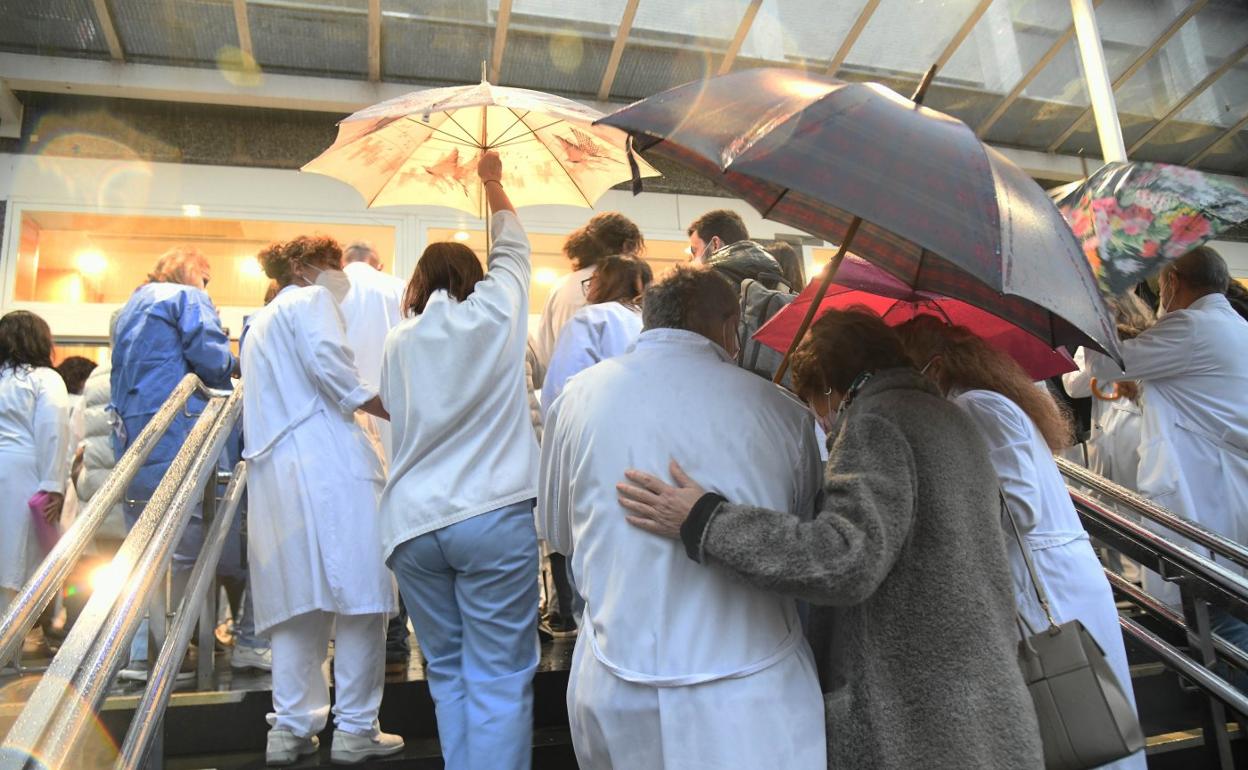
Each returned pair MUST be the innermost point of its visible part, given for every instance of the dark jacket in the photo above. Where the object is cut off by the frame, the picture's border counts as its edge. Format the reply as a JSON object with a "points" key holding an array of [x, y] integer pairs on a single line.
{"points": [[912, 623], [746, 259]]}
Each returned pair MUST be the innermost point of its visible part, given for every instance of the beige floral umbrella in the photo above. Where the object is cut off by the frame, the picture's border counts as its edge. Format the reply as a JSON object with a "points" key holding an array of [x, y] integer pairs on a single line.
{"points": [[422, 148]]}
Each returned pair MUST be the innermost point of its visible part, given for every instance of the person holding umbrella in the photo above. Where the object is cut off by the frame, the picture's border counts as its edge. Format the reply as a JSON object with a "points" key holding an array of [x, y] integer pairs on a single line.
{"points": [[912, 617], [457, 512]]}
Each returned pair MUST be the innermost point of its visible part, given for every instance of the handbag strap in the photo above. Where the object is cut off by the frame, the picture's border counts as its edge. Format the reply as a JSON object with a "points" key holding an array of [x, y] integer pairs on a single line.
{"points": [[1031, 567]]}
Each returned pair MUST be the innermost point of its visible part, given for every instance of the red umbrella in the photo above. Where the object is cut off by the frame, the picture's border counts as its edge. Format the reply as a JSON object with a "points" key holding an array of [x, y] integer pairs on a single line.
{"points": [[859, 284]]}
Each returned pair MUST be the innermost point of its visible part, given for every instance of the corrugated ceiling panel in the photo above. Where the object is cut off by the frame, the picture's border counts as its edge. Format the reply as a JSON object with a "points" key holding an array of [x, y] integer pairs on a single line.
{"points": [[175, 30], [51, 27], [310, 41], [646, 71], [567, 63], [429, 52]]}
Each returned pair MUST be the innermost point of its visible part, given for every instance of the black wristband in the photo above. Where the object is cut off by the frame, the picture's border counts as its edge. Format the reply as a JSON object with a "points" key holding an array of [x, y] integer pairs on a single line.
{"points": [[694, 529]]}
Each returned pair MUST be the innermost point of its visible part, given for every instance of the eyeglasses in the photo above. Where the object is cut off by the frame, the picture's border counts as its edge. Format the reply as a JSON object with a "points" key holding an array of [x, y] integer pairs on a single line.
{"points": [[585, 284]]}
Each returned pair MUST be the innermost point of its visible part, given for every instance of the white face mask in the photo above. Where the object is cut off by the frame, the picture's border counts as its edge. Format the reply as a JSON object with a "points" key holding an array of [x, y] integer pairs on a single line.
{"points": [[335, 281]]}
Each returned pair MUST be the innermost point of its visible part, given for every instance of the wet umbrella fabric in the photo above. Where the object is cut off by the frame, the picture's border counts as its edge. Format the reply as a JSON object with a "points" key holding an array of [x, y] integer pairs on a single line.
{"points": [[860, 284], [421, 149], [940, 210], [1132, 218]]}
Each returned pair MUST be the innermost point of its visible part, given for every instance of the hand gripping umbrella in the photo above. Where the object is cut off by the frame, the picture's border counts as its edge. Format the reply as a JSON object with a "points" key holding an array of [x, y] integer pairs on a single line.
{"points": [[913, 189], [1132, 218], [421, 148]]}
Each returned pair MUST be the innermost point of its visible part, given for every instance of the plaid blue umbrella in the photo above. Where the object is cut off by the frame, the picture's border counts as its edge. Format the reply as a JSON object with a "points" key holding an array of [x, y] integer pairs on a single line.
{"points": [[920, 196]]}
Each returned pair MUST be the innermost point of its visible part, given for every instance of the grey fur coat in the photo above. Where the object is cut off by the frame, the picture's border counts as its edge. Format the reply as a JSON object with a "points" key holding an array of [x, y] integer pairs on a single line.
{"points": [[912, 622]]}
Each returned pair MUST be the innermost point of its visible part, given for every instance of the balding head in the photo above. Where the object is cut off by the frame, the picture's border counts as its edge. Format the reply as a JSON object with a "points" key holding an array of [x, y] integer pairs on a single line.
{"points": [[362, 251], [1198, 273], [696, 299]]}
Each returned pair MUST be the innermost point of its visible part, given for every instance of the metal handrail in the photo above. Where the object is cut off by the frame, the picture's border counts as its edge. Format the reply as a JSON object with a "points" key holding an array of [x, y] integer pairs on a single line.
{"points": [[1225, 649], [69, 694], [1170, 656], [1212, 580], [1207, 538], [52, 571], [149, 714]]}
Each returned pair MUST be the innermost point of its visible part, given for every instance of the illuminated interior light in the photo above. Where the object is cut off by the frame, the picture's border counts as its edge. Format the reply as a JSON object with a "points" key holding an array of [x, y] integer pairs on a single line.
{"points": [[91, 263], [249, 267], [190, 210], [546, 276], [462, 235]]}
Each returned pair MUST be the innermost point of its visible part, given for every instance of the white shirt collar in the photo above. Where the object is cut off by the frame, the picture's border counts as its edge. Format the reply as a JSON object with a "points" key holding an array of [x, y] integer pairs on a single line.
{"points": [[691, 341]]}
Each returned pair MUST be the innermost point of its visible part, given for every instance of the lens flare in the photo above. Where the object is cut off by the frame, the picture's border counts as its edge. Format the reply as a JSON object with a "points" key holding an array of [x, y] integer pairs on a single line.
{"points": [[238, 67], [462, 235], [545, 276], [106, 579], [250, 268], [91, 263]]}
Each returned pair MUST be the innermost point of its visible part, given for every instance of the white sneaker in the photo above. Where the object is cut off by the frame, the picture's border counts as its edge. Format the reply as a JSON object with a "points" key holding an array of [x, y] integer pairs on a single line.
{"points": [[251, 657], [284, 747], [350, 749]]}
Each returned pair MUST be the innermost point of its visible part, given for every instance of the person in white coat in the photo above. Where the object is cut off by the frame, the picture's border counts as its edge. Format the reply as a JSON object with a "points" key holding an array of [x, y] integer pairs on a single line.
{"points": [[457, 512], [1023, 427], [313, 481], [1193, 374], [370, 310], [605, 327], [605, 234], [1114, 441], [676, 665], [34, 444]]}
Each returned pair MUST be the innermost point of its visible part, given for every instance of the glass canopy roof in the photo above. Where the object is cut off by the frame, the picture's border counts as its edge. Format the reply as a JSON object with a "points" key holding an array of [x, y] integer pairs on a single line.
{"points": [[1010, 67]]}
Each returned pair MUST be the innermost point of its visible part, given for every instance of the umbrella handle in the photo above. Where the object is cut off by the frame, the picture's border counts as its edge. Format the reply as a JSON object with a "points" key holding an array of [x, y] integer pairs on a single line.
{"points": [[829, 273], [1113, 395]]}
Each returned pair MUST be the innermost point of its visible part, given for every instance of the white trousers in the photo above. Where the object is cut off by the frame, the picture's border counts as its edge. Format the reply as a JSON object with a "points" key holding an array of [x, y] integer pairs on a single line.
{"points": [[300, 686]]}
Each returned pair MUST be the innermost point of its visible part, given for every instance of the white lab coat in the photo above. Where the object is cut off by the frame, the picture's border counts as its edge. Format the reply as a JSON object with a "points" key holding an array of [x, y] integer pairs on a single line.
{"points": [[1193, 368], [453, 381], [34, 445], [1114, 442], [370, 310], [679, 664], [313, 477], [1067, 566], [594, 333], [563, 302]]}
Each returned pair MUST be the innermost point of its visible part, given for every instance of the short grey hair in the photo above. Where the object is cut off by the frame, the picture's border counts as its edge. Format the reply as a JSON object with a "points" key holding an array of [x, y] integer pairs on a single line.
{"points": [[1203, 269], [690, 297], [361, 251]]}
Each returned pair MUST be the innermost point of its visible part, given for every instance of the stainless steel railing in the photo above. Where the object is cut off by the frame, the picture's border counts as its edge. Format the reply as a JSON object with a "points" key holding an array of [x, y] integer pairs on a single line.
{"points": [[1220, 545], [51, 573], [48, 730], [145, 728], [1203, 585]]}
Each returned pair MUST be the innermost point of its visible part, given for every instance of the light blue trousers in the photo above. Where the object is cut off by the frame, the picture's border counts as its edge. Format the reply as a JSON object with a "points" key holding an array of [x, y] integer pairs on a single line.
{"points": [[471, 590]]}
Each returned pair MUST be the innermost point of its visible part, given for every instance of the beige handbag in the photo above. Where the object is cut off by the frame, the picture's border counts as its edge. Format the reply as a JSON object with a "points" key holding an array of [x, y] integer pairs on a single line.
{"points": [[1086, 719]]}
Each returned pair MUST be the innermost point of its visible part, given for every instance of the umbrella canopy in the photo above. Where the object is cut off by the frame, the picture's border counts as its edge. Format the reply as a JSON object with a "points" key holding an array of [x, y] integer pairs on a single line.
{"points": [[859, 284], [1132, 218], [937, 208], [421, 148]]}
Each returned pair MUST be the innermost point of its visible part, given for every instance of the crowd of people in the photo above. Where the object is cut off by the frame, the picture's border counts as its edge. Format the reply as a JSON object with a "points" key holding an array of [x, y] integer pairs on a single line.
{"points": [[807, 576]]}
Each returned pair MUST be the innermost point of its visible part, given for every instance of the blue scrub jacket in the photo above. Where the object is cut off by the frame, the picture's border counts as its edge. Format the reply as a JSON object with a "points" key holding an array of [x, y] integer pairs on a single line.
{"points": [[164, 332]]}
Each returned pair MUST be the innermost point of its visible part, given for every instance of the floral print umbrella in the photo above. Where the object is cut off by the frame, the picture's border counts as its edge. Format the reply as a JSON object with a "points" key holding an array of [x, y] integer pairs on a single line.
{"points": [[422, 148], [1132, 218]]}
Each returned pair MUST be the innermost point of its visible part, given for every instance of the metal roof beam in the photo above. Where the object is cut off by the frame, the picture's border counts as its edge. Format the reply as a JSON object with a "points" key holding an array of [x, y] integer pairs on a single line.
{"points": [[244, 30], [374, 40], [1198, 157], [1139, 62], [962, 34], [851, 37], [500, 39], [617, 49], [1025, 81], [105, 18], [11, 110], [738, 39], [1196, 91]]}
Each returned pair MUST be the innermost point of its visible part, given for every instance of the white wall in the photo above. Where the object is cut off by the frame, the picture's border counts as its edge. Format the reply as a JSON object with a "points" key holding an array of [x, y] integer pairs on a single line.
{"points": [[138, 187]]}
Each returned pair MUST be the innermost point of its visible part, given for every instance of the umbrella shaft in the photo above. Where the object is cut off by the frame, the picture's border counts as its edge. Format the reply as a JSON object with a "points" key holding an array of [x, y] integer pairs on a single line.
{"points": [[829, 273]]}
